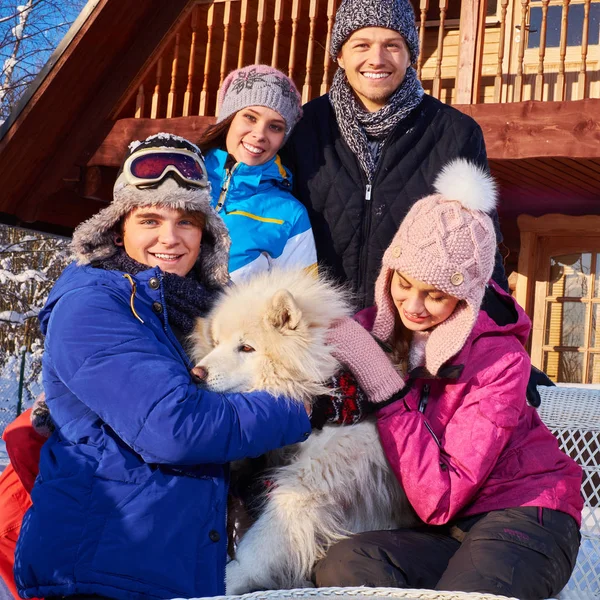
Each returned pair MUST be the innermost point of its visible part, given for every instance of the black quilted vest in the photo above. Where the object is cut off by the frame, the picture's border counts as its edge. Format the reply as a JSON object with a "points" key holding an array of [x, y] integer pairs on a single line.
{"points": [[352, 231]]}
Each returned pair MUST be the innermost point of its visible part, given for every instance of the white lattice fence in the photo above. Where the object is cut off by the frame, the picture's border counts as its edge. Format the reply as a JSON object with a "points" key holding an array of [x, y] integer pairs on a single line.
{"points": [[573, 415]]}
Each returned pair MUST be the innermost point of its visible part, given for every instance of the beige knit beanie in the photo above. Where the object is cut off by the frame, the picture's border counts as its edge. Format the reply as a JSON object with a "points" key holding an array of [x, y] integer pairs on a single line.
{"points": [[446, 240]]}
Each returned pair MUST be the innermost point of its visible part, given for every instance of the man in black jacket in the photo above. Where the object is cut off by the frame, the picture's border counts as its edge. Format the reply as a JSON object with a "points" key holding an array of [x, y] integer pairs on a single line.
{"points": [[365, 152]]}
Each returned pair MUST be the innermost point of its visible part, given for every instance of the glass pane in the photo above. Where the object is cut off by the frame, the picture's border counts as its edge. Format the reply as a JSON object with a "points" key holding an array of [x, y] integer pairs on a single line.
{"points": [[597, 285], [564, 367], [565, 324], [594, 369], [570, 275], [574, 26]]}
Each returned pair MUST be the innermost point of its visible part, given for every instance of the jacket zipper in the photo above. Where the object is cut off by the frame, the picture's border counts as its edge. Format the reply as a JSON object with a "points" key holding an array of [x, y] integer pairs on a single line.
{"points": [[366, 229], [225, 187], [423, 400]]}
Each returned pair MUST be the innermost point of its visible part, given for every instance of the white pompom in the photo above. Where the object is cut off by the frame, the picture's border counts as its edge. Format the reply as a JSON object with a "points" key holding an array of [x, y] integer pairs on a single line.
{"points": [[469, 184]]}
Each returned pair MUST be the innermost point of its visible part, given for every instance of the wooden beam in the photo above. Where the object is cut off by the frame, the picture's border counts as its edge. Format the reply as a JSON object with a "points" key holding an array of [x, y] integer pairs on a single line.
{"points": [[112, 150], [539, 129], [467, 49]]}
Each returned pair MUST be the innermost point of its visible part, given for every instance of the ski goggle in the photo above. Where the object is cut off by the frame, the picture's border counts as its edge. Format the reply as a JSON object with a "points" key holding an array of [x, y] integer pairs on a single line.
{"points": [[150, 166]]}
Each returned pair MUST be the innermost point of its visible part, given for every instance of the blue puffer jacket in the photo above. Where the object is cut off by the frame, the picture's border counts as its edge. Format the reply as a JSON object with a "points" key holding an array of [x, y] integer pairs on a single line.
{"points": [[130, 501]]}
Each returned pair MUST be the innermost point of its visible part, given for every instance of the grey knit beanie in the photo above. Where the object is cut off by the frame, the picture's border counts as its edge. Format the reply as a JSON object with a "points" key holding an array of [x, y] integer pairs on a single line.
{"points": [[260, 85], [397, 15]]}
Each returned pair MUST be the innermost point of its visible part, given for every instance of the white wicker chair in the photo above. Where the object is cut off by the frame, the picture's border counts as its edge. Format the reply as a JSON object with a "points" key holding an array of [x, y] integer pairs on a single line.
{"points": [[573, 415]]}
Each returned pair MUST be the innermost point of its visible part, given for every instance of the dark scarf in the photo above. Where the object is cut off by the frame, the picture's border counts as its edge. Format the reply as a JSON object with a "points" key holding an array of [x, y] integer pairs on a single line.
{"points": [[359, 126], [187, 298]]}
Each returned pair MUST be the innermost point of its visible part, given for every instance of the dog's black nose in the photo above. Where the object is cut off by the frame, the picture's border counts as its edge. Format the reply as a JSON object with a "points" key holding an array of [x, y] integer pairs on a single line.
{"points": [[199, 374]]}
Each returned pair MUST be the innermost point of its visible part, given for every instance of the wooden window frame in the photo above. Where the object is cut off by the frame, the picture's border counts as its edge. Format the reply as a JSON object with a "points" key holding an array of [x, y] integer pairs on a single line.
{"points": [[542, 238]]}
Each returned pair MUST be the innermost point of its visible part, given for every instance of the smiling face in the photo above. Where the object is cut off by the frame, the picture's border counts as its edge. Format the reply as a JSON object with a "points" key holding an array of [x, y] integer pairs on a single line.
{"points": [[419, 305], [375, 60], [255, 135], [163, 237]]}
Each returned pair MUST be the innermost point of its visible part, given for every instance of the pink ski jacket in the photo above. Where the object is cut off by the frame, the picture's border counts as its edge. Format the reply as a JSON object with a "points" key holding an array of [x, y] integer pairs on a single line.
{"points": [[472, 444]]}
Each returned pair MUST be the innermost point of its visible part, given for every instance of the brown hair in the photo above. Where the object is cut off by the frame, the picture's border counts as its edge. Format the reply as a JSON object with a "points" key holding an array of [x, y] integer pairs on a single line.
{"points": [[215, 136], [400, 342]]}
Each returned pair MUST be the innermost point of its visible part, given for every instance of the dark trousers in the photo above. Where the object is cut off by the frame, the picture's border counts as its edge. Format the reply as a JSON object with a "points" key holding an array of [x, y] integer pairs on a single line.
{"points": [[528, 553]]}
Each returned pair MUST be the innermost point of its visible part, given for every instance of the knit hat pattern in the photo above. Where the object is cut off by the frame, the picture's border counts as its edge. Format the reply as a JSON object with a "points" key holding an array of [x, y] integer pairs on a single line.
{"points": [[446, 240], [397, 15], [260, 85], [93, 239]]}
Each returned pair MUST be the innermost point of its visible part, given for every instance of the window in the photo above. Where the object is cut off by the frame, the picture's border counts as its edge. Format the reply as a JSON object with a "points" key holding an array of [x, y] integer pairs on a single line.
{"points": [[558, 285], [571, 336], [554, 19]]}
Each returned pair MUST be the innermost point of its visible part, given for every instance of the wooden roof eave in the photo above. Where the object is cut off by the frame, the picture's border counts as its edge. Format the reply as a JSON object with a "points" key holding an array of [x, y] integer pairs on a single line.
{"points": [[55, 57], [69, 109]]}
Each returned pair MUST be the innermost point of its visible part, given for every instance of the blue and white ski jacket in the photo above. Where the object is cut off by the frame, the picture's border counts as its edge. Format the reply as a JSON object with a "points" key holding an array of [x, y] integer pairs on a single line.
{"points": [[267, 225]]}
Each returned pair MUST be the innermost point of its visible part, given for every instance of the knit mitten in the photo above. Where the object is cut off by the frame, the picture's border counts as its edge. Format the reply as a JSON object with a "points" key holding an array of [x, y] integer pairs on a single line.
{"points": [[356, 349]]}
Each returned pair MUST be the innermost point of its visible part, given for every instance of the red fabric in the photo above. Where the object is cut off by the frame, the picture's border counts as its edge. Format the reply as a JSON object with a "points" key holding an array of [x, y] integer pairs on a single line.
{"points": [[479, 446], [23, 445]]}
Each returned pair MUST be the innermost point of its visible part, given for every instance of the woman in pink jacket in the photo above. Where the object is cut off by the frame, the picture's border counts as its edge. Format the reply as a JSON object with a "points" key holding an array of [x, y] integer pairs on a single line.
{"points": [[500, 503]]}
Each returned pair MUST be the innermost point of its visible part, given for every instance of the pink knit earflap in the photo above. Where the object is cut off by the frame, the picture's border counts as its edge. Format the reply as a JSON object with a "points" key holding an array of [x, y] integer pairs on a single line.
{"points": [[383, 328]]}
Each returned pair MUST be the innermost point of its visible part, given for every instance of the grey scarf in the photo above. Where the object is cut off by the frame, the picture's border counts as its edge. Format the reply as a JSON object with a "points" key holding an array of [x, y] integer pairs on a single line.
{"points": [[359, 126]]}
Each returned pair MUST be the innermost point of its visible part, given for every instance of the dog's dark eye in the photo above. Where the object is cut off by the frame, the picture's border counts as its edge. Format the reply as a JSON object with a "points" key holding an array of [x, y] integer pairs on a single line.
{"points": [[245, 348]]}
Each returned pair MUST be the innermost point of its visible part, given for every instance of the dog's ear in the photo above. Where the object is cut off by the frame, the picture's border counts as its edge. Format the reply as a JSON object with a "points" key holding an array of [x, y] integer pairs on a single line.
{"points": [[199, 342], [283, 313]]}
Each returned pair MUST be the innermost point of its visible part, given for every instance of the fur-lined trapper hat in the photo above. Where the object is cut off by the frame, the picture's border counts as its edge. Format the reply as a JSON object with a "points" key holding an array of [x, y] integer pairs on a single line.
{"points": [[93, 240], [446, 240]]}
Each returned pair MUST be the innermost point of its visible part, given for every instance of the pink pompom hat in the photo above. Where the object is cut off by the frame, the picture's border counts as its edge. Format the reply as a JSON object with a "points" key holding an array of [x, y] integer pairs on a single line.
{"points": [[446, 240]]}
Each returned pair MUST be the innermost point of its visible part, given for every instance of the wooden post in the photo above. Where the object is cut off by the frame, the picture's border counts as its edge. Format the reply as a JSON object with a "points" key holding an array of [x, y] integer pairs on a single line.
{"points": [[518, 91], [243, 23], [189, 92], [499, 68], [312, 15], [172, 98], [294, 42], [204, 93], [539, 78], [423, 7], [226, 22], [156, 95], [278, 16], [467, 48], [582, 78], [437, 79], [560, 80], [327, 59], [139, 103], [260, 18]]}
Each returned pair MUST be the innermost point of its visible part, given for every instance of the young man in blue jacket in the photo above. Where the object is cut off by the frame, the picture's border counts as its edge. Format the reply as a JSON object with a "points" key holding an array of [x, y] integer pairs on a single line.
{"points": [[131, 498]]}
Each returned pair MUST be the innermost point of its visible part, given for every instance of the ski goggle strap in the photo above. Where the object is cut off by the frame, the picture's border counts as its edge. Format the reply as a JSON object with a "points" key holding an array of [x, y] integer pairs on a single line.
{"points": [[151, 165]]}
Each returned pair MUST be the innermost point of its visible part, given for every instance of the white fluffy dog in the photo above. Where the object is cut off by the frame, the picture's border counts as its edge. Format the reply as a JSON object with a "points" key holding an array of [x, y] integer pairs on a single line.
{"points": [[269, 334]]}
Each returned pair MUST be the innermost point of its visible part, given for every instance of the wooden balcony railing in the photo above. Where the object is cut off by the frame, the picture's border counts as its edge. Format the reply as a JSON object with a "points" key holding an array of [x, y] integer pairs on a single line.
{"points": [[471, 52]]}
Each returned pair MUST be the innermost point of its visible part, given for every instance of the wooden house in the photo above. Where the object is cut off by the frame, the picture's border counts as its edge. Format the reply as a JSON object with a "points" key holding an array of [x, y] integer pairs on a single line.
{"points": [[527, 70]]}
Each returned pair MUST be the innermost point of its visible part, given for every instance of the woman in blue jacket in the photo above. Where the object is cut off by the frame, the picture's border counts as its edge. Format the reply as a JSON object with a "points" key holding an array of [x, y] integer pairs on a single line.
{"points": [[251, 190], [130, 502]]}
